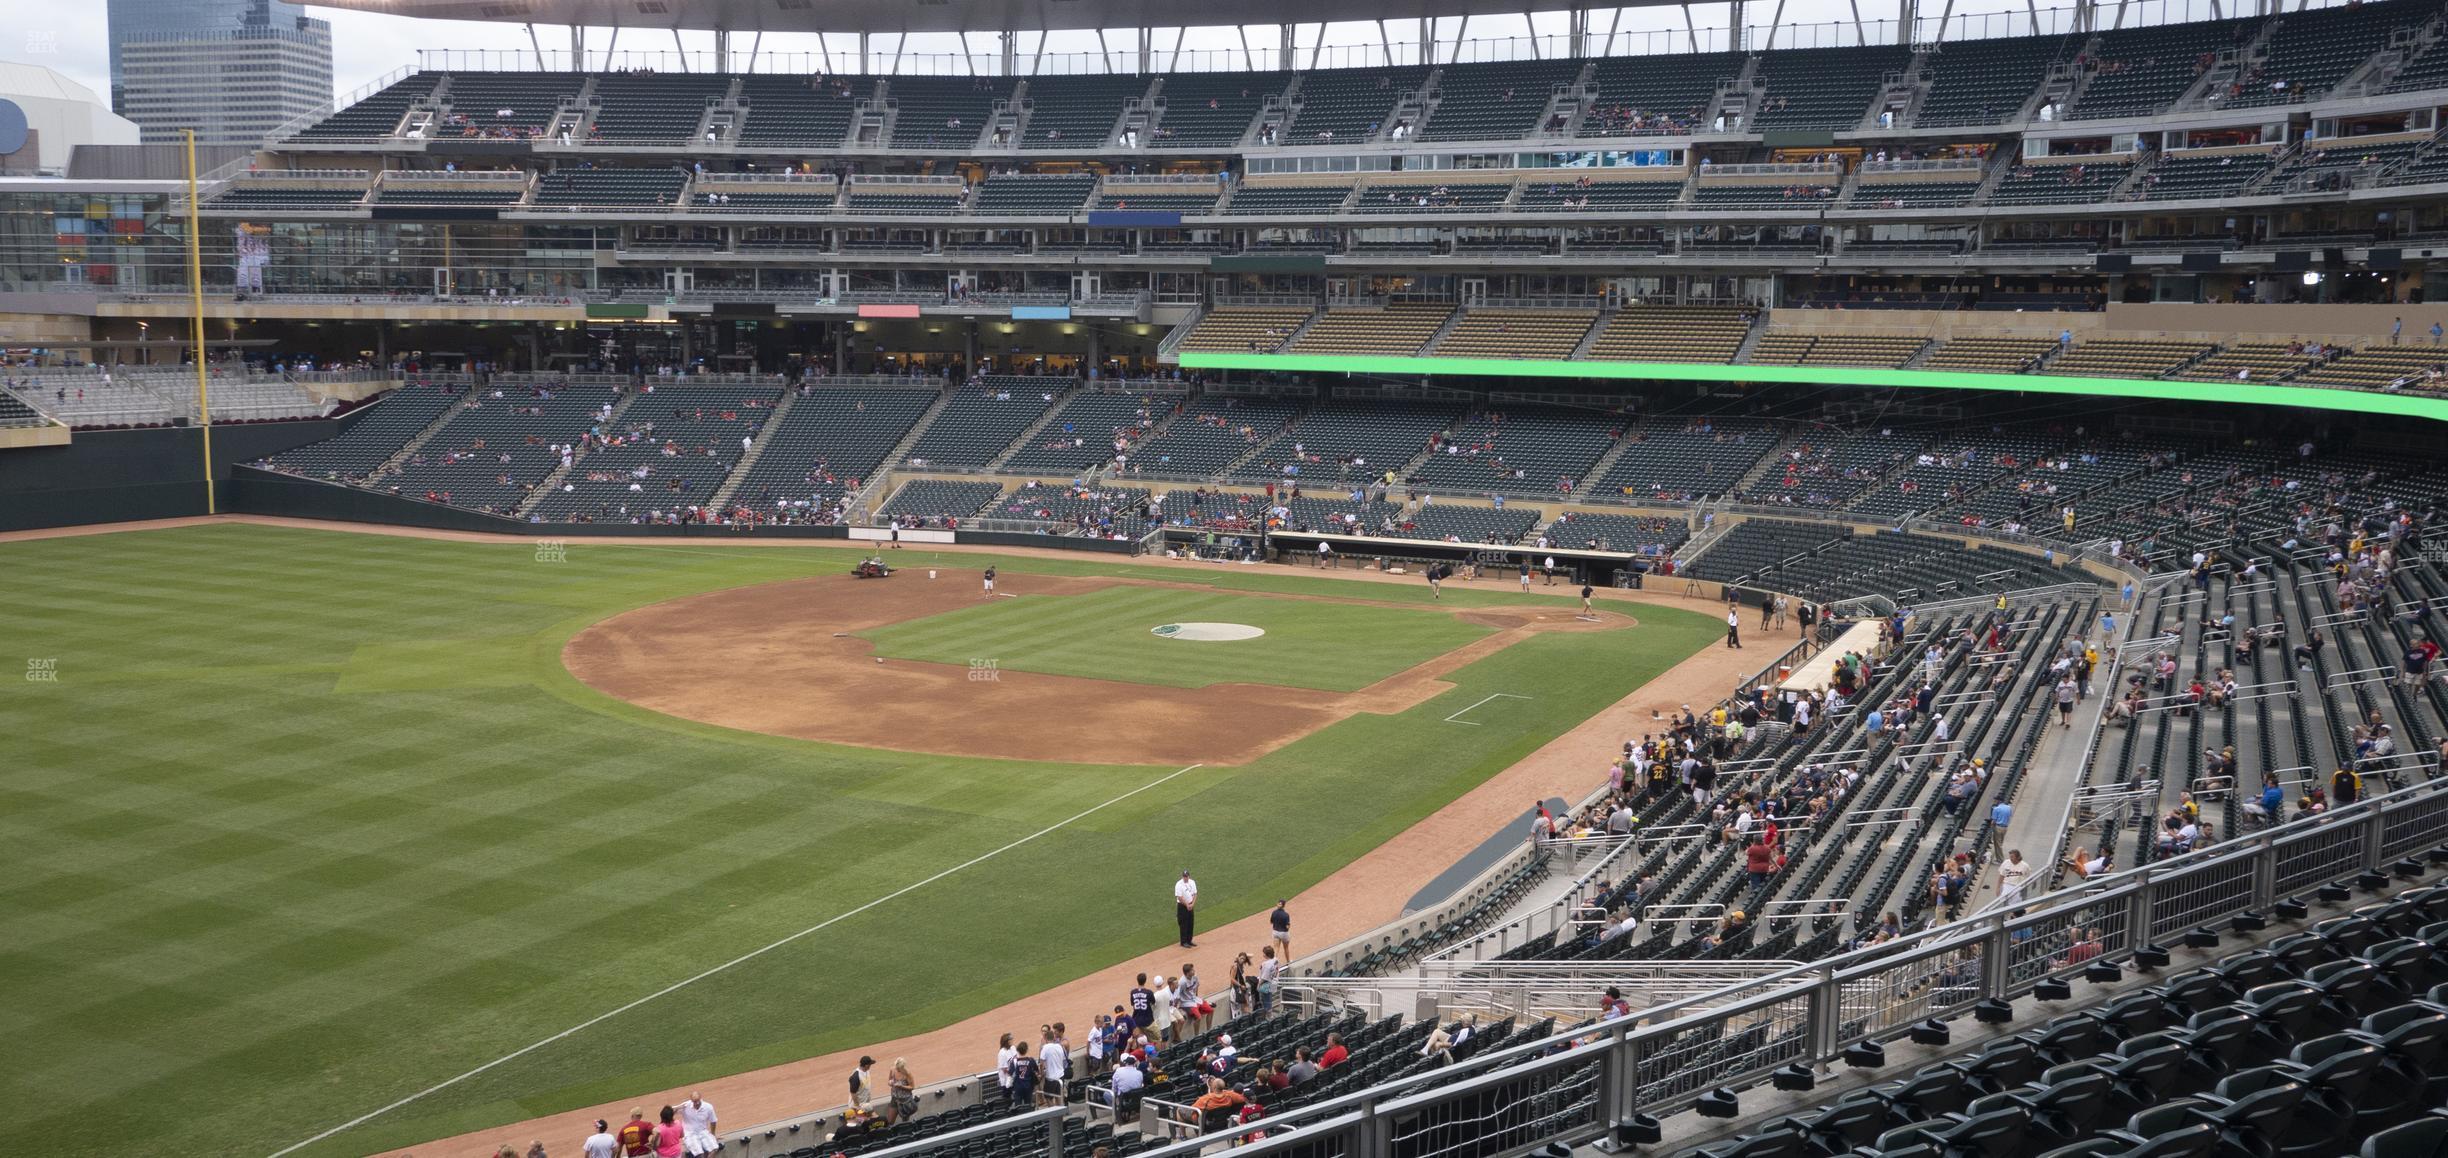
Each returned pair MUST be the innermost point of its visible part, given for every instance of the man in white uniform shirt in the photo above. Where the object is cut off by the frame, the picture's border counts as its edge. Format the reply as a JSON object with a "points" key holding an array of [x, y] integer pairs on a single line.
{"points": [[1185, 906], [697, 1124]]}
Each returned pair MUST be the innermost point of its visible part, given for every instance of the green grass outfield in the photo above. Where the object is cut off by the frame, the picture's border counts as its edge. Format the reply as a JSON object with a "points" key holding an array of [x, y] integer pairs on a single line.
{"points": [[309, 821], [1108, 635]]}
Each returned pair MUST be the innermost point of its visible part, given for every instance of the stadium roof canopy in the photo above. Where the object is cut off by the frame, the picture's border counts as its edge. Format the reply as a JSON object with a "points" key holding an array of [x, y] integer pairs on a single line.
{"points": [[851, 16]]}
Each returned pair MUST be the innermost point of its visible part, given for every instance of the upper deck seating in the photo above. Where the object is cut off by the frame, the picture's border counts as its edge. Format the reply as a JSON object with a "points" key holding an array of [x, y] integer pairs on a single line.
{"points": [[2139, 71], [2127, 359], [1495, 100], [2310, 52], [1245, 329], [1398, 329], [793, 112], [1655, 95], [1985, 82], [1643, 333], [1799, 349], [1348, 105], [1547, 335], [652, 109], [513, 105], [1077, 112], [1213, 110], [1823, 88], [378, 115], [942, 111], [1989, 355]]}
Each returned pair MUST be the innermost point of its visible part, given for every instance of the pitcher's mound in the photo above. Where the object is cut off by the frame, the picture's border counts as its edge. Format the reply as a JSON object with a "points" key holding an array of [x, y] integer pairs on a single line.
{"points": [[1208, 632]]}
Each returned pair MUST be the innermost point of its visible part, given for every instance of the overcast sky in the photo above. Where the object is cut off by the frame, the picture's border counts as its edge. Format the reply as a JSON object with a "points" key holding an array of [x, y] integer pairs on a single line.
{"points": [[71, 37]]}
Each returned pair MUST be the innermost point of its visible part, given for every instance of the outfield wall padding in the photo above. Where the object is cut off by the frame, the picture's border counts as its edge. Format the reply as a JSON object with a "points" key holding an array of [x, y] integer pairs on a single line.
{"points": [[1063, 542], [263, 492], [115, 476]]}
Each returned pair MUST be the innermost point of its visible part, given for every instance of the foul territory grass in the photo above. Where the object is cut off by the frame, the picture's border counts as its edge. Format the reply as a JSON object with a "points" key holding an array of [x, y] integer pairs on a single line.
{"points": [[1109, 634], [303, 822]]}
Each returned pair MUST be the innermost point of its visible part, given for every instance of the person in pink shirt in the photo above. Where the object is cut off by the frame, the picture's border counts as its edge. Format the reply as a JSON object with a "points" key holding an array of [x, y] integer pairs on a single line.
{"points": [[668, 1134]]}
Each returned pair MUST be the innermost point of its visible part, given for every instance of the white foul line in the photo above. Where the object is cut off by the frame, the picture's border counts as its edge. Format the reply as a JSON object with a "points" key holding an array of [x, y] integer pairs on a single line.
{"points": [[1466, 711], [679, 985]]}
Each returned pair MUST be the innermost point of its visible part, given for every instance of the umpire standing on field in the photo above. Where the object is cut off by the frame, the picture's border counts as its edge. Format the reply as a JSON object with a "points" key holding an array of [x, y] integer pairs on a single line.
{"points": [[1185, 906]]}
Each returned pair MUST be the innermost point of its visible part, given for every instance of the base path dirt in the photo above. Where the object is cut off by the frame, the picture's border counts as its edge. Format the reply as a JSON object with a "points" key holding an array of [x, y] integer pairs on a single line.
{"points": [[783, 658], [1350, 901]]}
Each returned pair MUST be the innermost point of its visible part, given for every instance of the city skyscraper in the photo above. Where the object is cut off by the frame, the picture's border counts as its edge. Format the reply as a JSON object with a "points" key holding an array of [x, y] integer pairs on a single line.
{"points": [[232, 70]]}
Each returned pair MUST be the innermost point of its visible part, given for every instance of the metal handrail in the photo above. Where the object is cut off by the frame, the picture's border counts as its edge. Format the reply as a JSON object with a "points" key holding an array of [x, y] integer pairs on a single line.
{"points": [[1994, 955]]}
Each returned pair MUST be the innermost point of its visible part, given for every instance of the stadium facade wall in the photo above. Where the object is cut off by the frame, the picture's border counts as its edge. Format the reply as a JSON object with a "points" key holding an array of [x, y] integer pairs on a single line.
{"points": [[2355, 326]]}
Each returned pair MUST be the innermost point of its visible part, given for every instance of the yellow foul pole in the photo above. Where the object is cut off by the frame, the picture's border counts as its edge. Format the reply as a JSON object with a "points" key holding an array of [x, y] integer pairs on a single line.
{"points": [[195, 289]]}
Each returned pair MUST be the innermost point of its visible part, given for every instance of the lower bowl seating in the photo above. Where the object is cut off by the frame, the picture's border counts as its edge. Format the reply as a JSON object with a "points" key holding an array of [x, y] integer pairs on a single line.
{"points": [[1652, 534], [937, 502]]}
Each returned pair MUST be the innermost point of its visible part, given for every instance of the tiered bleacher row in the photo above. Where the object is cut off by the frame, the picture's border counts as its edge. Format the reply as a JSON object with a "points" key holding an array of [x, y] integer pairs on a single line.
{"points": [[95, 397], [1509, 475], [2282, 595], [2123, 72]]}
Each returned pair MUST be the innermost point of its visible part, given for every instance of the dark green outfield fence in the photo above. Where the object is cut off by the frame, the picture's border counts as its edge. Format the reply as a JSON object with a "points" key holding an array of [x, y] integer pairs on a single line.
{"points": [[262, 492], [113, 476]]}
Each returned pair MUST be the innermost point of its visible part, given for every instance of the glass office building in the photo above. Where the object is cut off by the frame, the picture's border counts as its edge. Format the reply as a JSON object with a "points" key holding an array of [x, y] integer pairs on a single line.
{"points": [[233, 70]]}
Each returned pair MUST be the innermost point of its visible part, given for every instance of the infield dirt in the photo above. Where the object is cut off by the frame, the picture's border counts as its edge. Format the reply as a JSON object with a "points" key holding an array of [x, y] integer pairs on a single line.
{"points": [[785, 659]]}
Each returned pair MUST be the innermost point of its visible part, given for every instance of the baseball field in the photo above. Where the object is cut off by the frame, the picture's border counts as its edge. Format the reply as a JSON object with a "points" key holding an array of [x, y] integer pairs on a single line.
{"points": [[359, 841]]}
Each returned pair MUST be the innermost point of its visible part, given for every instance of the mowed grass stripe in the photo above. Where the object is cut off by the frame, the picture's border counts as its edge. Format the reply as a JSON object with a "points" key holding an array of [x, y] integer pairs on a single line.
{"points": [[243, 902]]}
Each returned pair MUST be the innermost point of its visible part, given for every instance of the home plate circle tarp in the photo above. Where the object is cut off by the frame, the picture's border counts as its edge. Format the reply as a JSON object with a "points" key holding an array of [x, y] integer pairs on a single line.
{"points": [[1208, 632]]}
